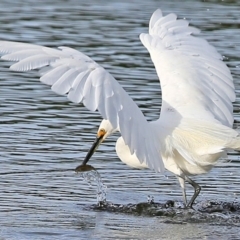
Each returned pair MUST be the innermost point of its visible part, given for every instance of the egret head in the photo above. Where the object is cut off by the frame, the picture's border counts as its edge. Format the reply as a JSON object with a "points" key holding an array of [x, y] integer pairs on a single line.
{"points": [[105, 129]]}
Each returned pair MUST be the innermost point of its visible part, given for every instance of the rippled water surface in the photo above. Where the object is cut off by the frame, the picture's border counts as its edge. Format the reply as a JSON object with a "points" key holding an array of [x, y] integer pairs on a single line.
{"points": [[44, 137]]}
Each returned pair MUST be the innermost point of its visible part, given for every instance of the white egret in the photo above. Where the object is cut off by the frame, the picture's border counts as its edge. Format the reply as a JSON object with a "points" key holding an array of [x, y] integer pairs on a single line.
{"points": [[195, 125]]}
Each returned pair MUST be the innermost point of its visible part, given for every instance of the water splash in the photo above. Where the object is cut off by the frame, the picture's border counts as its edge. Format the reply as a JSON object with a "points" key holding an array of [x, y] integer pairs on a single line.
{"points": [[150, 199], [93, 177]]}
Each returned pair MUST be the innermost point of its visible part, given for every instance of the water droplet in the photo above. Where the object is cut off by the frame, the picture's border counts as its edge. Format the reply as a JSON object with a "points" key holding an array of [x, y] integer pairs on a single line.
{"points": [[93, 177], [150, 199]]}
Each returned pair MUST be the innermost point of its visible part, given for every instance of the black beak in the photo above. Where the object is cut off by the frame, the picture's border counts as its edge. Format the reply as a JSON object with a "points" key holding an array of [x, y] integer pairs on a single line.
{"points": [[91, 151]]}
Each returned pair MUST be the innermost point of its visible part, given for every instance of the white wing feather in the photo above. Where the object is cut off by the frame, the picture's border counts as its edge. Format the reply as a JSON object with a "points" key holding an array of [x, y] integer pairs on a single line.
{"points": [[195, 82], [83, 80]]}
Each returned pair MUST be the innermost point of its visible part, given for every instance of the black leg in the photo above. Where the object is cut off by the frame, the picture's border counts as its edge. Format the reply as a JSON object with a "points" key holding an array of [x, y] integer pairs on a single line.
{"points": [[197, 190]]}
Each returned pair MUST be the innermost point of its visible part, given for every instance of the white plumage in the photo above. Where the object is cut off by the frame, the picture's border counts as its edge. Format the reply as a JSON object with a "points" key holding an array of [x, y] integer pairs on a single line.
{"points": [[195, 125]]}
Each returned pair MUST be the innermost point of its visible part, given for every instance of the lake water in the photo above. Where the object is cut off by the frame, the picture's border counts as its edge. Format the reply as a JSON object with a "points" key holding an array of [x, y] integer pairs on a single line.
{"points": [[44, 136]]}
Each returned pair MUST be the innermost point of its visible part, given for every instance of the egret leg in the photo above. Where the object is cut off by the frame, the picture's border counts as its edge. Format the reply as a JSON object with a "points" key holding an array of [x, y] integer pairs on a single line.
{"points": [[182, 184], [197, 190]]}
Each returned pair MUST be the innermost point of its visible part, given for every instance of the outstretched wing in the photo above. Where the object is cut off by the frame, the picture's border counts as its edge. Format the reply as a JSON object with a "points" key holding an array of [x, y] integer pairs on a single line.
{"points": [[195, 82], [83, 80], [197, 90]]}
